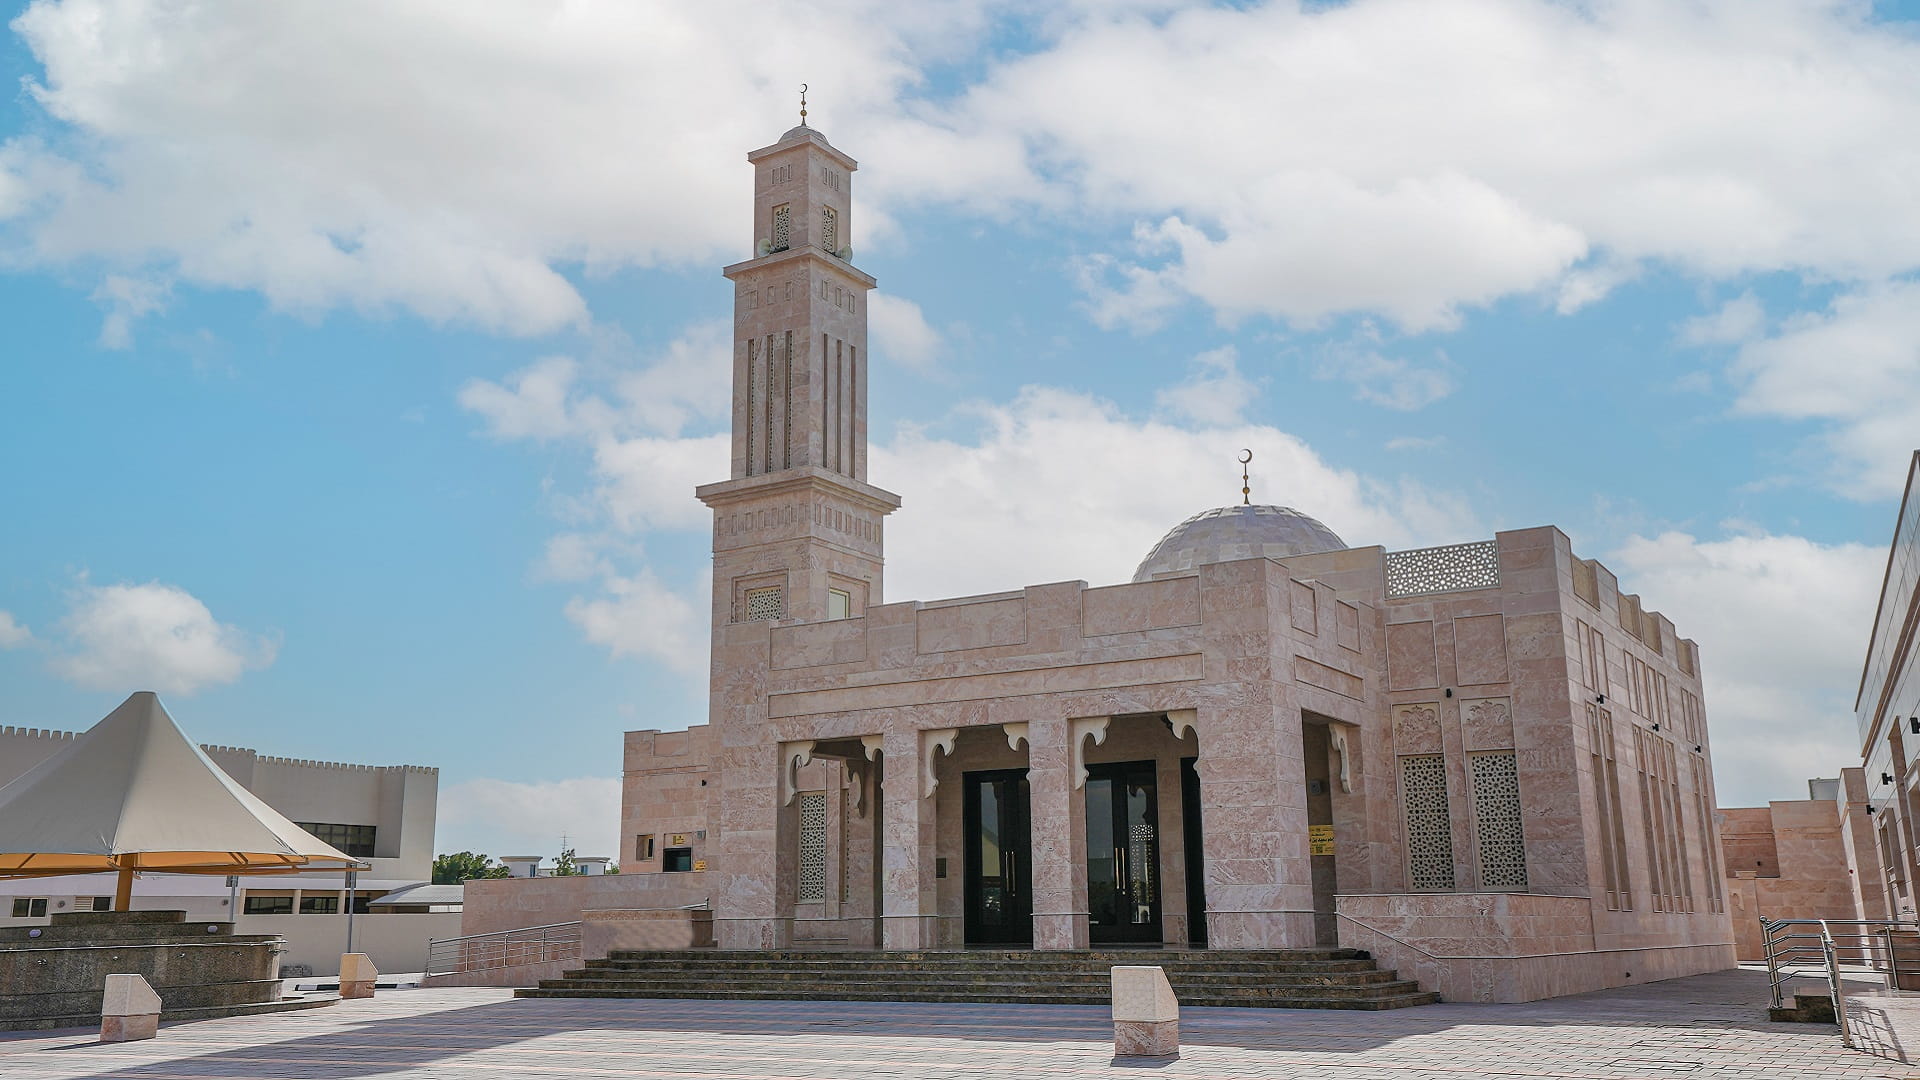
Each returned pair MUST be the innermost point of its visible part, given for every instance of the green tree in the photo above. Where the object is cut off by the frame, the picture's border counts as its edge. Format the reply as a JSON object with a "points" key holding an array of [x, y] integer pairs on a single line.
{"points": [[464, 866], [565, 866]]}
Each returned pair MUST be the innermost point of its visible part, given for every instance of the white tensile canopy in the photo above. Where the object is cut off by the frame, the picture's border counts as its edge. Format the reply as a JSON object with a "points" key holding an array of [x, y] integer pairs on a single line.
{"points": [[134, 793]]}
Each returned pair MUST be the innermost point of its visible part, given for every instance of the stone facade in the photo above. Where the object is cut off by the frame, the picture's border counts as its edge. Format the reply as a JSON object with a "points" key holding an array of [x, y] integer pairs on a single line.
{"points": [[1484, 762], [1799, 860]]}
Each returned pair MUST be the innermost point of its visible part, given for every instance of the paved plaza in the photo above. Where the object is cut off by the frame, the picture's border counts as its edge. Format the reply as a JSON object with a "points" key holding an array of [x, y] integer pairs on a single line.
{"points": [[1706, 1028]]}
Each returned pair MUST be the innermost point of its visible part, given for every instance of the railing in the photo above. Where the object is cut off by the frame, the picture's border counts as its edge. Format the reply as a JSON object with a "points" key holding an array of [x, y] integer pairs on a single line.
{"points": [[505, 948], [1834, 985], [1800, 948]]}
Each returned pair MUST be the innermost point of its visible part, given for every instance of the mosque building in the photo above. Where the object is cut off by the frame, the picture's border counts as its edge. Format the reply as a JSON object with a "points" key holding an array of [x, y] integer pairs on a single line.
{"points": [[1484, 763]]}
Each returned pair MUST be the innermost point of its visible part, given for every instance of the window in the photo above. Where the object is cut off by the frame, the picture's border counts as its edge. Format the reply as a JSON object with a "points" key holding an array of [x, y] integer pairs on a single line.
{"points": [[1423, 789], [643, 846], [1496, 820], [782, 227], [829, 228], [678, 860], [767, 603], [354, 840], [319, 905], [813, 848], [30, 907], [100, 903], [266, 905], [839, 604]]}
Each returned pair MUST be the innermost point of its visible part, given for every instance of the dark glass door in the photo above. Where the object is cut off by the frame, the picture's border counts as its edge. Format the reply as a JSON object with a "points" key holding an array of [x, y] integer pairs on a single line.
{"points": [[1123, 852], [1196, 853], [999, 862]]}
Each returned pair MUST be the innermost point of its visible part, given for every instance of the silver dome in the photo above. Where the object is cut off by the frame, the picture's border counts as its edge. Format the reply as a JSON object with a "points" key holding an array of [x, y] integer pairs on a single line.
{"points": [[1237, 532]]}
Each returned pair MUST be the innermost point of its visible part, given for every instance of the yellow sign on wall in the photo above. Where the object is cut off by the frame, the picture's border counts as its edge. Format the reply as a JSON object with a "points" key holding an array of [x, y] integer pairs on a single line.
{"points": [[679, 840], [1319, 839], [699, 864]]}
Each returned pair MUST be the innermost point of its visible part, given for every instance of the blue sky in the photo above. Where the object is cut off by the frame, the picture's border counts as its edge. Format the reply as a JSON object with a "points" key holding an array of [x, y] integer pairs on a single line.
{"points": [[356, 375]]}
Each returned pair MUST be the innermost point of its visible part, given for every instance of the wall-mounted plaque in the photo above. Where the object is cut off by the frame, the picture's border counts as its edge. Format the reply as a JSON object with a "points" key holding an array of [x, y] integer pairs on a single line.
{"points": [[1319, 839]]}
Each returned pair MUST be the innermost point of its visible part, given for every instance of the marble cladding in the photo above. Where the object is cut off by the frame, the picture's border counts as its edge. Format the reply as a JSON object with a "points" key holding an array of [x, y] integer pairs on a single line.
{"points": [[1254, 651]]}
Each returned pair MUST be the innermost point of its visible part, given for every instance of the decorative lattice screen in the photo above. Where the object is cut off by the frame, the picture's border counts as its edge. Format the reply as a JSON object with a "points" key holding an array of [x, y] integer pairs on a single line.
{"points": [[813, 848], [782, 227], [1497, 821], [1443, 569], [768, 603], [1423, 787], [829, 229]]}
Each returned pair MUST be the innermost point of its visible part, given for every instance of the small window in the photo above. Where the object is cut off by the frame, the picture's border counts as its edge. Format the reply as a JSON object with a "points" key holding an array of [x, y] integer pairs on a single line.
{"points": [[768, 603], [354, 840], [643, 846], [267, 905], [319, 905], [782, 227], [678, 860], [100, 903], [30, 907], [839, 604]]}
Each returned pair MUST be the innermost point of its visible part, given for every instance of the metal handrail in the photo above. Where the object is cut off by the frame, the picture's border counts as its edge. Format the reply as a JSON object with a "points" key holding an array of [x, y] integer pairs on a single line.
{"points": [[1834, 986], [504, 948], [1794, 955]]}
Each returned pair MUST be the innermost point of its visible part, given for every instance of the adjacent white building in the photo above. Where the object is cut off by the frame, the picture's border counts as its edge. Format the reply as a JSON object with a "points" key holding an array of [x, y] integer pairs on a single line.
{"points": [[381, 814]]}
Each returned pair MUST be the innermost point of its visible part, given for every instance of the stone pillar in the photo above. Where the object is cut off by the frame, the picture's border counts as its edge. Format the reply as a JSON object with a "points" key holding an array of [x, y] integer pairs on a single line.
{"points": [[909, 900], [746, 912], [357, 975], [1058, 813], [1146, 1015], [130, 1010]]}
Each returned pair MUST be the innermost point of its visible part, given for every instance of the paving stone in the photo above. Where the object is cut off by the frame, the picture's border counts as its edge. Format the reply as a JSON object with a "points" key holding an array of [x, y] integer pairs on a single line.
{"points": [[1710, 1027]]}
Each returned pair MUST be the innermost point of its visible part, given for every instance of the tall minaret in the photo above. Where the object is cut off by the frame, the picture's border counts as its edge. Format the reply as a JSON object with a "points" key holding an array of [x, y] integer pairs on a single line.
{"points": [[797, 530]]}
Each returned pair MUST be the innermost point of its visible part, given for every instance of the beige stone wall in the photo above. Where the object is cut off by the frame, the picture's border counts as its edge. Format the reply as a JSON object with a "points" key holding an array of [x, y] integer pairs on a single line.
{"points": [[497, 904], [1791, 860], [665, 792]]}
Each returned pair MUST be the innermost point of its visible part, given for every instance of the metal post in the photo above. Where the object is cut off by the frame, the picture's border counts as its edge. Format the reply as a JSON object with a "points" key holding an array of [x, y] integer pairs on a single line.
{"points": [[352, 876], [233, 898]]}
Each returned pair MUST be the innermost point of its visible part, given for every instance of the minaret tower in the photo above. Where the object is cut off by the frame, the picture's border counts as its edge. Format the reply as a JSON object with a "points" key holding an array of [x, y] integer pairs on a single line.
{"points": [[797, 530]]}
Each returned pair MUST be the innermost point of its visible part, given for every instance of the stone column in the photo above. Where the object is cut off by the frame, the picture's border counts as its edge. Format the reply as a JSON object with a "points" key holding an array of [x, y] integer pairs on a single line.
{"points": [[746, 908], [1253, 824], [909, 901], [1058, 813]]}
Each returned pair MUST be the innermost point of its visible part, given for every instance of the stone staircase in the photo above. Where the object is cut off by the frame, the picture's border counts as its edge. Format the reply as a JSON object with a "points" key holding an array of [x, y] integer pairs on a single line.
{"points": [[1271, 979]]}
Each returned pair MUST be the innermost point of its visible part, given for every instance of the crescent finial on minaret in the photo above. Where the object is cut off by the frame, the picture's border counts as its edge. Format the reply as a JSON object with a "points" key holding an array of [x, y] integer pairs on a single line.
{"points": [[1246, 488]]}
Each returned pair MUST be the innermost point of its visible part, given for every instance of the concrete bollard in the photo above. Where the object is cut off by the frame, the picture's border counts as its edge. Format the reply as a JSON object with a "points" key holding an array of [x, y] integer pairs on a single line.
{"points": [[1146, 1015], [357, 975], [130, 1010]]}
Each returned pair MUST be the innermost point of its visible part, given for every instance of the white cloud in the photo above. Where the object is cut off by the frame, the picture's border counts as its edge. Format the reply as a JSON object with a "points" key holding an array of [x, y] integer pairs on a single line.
{"points": [[1057, 485], [1409, 157], [532, 406], [641, 617], [126, 299], [1214, 392], [152, 637], [13, 634], [1416, 442], [1391, 382], [901, 334], [512, 817], [1853, 369], [1415, 157], [1739, 319], [1779, 704]]}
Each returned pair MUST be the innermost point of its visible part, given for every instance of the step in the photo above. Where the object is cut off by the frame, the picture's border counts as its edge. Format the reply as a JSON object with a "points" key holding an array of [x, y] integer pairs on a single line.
{"points": [[1205, 979], [1391, 1001]]}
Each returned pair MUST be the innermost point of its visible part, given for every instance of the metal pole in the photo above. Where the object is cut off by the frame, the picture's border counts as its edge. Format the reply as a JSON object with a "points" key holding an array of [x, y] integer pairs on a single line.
{"points": [[352, 876], [233, 898]]}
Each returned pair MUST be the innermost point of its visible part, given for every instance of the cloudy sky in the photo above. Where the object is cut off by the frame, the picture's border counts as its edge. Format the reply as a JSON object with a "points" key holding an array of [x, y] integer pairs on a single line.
{"points": [[359, 359]]}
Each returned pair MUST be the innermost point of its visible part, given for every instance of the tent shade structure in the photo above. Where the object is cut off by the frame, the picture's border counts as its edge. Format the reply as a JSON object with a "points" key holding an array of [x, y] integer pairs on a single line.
{"points": [[134, 793]]}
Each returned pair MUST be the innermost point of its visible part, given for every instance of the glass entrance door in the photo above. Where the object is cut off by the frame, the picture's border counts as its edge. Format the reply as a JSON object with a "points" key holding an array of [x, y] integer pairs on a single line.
{"points": [[1123, 852], [999, 862]]}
